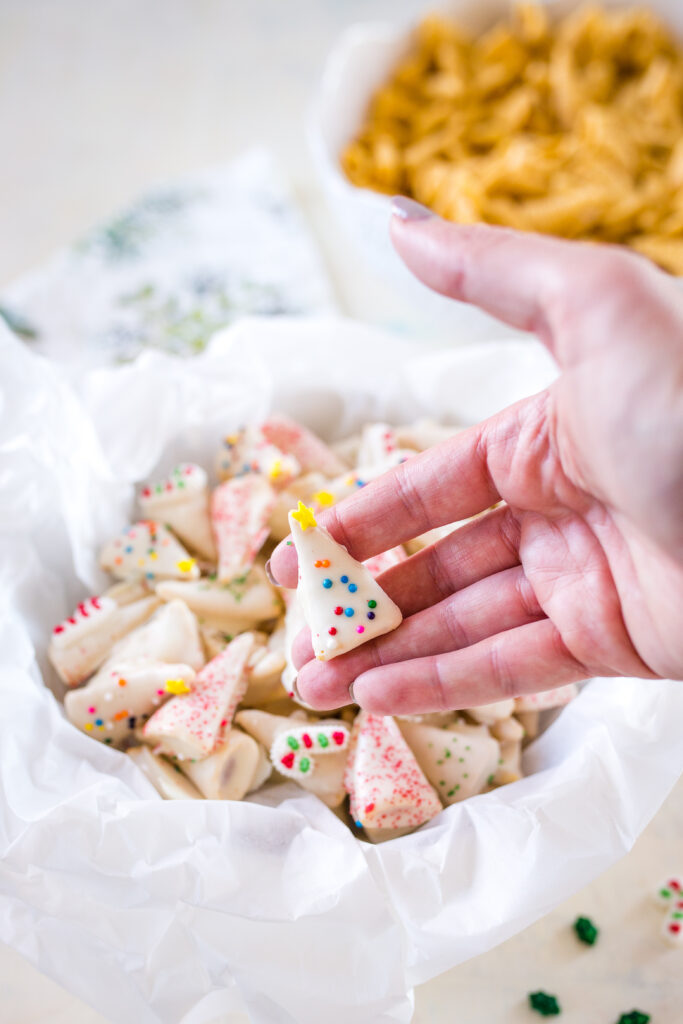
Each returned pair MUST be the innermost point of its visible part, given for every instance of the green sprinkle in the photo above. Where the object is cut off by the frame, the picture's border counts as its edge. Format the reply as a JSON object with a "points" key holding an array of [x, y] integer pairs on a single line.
{"points": [[440, 762], [323, 740], [468, 748], [500, 760], [585, 930], [665, 894], [461, 760], [293, 743], [447, 753], [489, 781], [677, 915], [544, 1004], [372, 604], [457, 787], [304, 763], [465, 775], [451, 792], [634, 1017], [107, 739]]}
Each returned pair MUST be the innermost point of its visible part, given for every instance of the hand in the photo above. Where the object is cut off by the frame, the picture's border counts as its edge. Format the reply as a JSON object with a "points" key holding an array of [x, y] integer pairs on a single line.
{"points": [[580, 573]]}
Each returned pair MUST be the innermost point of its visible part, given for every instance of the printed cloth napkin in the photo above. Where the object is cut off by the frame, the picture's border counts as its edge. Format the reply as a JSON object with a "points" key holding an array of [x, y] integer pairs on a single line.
{"points": [[183, 261]]}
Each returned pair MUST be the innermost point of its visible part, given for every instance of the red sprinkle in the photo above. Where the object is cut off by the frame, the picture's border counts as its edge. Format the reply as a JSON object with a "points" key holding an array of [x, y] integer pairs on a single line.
{"points": [[95, 602], [308, 742], [146, 493], [675, 928], [369, 807], [288, 759], [60, 629], [332, 631], [675, 884], [338, 610], [338, 737]]}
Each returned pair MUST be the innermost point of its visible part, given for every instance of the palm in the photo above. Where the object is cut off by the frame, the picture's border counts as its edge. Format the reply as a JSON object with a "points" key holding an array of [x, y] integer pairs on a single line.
{"points": [[580, 572]]}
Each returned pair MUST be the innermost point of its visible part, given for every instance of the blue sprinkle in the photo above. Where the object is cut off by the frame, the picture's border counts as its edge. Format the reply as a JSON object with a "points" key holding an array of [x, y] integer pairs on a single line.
{"points": [[149, 575], [128, 549], [358, 824], [360, 483], [98, 721], [353, 587], [371, 615], [344, 579], [348, 612], [327, 584]]}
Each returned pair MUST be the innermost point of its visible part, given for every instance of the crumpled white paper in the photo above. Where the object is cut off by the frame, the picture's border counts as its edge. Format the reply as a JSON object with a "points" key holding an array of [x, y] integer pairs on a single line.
{"points": [[159, 912]]}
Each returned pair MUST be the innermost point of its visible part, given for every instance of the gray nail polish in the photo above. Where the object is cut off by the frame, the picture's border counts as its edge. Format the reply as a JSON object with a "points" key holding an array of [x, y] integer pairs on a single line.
{"points": [[351, 694], [407, 209], [270, 576]]}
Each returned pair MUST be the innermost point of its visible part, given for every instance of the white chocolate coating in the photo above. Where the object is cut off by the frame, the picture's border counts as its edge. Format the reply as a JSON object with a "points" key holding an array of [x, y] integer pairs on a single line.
{"points": [[149, 550], [343, 605]]}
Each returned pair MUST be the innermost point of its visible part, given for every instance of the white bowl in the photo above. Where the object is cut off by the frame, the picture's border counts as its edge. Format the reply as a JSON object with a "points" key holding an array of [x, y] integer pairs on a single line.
{"points": [[359, 63]]}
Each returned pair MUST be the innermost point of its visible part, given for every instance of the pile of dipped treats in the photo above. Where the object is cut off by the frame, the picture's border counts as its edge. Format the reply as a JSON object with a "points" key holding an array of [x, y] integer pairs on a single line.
{"points": [[184, 662]]}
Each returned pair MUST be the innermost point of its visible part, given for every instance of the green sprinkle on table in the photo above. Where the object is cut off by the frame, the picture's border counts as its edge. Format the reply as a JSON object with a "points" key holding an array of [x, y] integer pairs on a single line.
{"points": [[586, 930], [544, 1004], [634, 1017]]}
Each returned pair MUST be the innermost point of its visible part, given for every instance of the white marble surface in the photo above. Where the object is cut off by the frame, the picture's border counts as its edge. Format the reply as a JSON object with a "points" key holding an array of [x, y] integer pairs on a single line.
{"points": [[97, 102]]}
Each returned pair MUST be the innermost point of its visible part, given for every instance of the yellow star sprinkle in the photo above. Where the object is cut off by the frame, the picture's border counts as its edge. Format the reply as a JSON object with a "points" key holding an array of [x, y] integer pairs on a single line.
{"points": [[323, 498], [186, 565], [275, 470], [177, 686], [304, 516]]}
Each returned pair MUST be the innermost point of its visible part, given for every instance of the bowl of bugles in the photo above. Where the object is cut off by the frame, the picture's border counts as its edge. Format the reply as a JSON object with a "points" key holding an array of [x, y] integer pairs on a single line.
{"points": [[553, 118]]}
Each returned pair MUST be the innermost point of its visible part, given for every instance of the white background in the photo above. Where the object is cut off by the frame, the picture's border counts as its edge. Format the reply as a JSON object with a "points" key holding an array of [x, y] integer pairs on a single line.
{"points": [[100, 100]]}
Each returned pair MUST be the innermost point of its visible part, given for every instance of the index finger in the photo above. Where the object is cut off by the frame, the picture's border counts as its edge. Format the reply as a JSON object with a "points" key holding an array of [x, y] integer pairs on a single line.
{"points": [[442, 485]]}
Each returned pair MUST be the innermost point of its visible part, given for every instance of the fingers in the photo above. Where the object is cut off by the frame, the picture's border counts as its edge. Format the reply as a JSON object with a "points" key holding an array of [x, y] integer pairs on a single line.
{"points": [[526, 659], [499, 602], [442, 485], [521, 278], [480, 548]]}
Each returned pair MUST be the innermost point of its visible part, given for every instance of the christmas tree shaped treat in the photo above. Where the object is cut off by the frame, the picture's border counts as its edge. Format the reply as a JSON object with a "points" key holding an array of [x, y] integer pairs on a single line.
{"points": [[390, 795], [193, 726], [240, 512], [246, 599], [343, 605], [379, 447], [248, 451], [149, 550], [317, 768], [171, 635], [120, 697], [237, 767], [81, 643], [457, 766], [311, 453], [181, 502], [165, 777]]}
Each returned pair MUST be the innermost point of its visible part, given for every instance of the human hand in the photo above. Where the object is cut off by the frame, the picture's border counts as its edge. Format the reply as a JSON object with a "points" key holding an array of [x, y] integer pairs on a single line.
{"points": [[581, 572]]}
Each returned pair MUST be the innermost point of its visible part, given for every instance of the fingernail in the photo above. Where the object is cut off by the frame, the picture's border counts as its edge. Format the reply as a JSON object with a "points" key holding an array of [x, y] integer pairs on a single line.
{"points": [[408, 209], [351, 694], [269, 574]]}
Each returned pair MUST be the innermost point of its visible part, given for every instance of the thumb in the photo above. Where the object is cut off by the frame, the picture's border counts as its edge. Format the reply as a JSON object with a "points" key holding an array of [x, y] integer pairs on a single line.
{"points": [[523, 279]]}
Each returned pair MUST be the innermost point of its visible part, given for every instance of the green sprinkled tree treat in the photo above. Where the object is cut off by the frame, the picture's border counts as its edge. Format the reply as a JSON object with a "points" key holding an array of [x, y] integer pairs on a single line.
{"points": [[586, 930], [634, 1017], [544, 1004]]}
